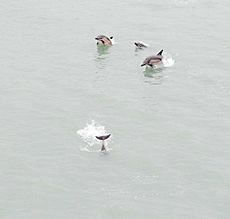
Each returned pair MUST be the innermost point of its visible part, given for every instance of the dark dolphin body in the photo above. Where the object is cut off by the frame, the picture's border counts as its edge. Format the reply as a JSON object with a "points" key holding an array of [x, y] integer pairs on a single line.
{"points": [[153, 60], [140, 45], [102, 138], [104, 40]]}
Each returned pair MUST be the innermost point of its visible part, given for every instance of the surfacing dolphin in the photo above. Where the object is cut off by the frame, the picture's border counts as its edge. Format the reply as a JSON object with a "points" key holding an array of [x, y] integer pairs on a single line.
{"points": [[103, 138], [104, 40], [140, 45], [153, 60]]}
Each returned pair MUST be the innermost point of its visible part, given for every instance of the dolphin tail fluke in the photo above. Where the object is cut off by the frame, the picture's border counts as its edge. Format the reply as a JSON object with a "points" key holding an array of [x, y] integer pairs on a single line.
{"points": [[160, 53], [102, 138], [143, 64]]}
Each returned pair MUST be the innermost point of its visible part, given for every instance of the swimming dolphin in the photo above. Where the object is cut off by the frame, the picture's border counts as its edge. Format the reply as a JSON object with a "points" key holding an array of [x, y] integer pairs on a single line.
{"points": [[140, 45], [102, 138], [153, 60], [104, 40]]}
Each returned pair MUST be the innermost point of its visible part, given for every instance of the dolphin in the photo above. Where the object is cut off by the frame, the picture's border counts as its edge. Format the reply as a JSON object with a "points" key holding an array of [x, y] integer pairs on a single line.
{"points": [[102, 138], [104, 40], [140, 45], [153, 60]]}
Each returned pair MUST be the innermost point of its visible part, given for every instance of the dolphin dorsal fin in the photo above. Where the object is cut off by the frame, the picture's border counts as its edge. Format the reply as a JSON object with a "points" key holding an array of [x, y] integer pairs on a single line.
{"points": [[160, 53]]}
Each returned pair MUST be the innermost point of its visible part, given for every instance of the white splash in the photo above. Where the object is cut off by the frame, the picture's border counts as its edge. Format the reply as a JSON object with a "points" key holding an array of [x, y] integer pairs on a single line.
{"points": [[167, 60], [88, 134]]}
